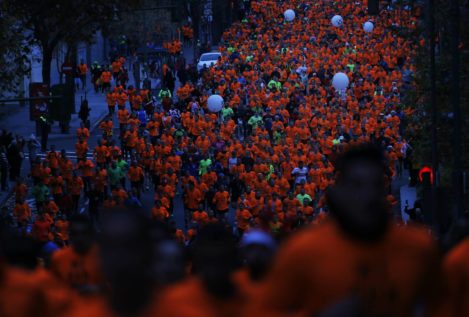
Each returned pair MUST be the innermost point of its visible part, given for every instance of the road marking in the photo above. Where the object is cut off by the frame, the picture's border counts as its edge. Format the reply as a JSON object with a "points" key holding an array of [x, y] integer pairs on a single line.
{"points": [[32, 204], [70, 155]]}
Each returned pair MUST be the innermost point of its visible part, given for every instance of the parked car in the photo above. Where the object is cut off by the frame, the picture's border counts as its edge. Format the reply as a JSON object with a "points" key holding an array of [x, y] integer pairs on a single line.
{"points": [[208, 60]]}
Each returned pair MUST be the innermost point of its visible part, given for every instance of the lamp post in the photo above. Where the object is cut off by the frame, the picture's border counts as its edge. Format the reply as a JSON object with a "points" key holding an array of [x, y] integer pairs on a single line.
{"points": [[433, 201], [208, 19], [455, 101]]}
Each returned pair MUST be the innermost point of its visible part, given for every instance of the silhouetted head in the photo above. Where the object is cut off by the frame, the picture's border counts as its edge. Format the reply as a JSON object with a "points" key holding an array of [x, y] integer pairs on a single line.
{"points": [[215, 259], [81, 233], [168, 263], [20, 251], [126, 258], [257, 251], [358, 198]]}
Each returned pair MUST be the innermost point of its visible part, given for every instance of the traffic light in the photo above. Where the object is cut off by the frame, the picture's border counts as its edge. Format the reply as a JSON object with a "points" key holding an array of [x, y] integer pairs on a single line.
{"points": [[426, 176]]}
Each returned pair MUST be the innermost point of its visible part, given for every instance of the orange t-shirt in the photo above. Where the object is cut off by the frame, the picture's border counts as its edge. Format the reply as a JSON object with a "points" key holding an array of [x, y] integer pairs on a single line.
{"points": [[159, 213], [123, 116], [86, 168], [75, 269], [135, 173], [20, 295], [222, 200], [193, 198], [116, 66], [456, 273], [81, 149], [20, 191], [76, 185], [189, 299], [22, 212], [320, 266], [61, 229], [251, 289]]}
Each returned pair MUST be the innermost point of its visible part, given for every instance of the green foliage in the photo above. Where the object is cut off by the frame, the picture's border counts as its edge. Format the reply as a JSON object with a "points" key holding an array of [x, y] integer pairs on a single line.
{"points": [[421, 125], [148, 21], [69, 21], [14, 51]]}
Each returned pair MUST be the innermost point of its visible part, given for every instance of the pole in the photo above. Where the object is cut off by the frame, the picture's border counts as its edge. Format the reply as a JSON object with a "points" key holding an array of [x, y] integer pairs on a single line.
{"points": [[455, 100], [431, 31], [434, 110]]}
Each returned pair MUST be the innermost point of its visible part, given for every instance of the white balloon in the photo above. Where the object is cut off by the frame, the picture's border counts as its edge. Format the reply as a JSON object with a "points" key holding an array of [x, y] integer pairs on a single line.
{"points": [[340, 81], [215, 103], [289, 15], [368, 27], [337, 21]]}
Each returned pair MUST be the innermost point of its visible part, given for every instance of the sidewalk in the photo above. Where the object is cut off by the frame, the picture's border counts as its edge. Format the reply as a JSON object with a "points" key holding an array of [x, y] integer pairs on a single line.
{"points": [[99, 110], [405, 193], [15, 118]]}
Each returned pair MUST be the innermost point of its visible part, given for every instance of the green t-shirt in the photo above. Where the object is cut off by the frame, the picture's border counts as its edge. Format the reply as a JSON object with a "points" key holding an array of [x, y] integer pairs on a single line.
{"points": [[227, 112], [164, 93], [115, 175], [275, 84], [179, 133], [204, 165], [277, 137], [271, 171], [41, 192], [301, 198], [122, 164], [254, 121]]}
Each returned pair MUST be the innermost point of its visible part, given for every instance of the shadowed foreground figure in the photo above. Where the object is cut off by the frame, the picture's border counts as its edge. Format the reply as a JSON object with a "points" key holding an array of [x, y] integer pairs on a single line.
{"points": [[357, 263], [257, 251], [211, 291], [168, 259], [126, 259], [78, 265]]}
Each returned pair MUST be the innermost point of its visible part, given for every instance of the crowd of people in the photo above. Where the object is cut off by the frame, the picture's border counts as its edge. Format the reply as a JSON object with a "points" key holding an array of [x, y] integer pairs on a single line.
{"points": [[281, 161], [12, 153]]}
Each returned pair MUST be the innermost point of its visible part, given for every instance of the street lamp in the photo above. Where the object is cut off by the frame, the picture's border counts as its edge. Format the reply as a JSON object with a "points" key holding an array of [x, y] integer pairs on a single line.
{"points": [[208, 19], [455, 101], [115, 14]]}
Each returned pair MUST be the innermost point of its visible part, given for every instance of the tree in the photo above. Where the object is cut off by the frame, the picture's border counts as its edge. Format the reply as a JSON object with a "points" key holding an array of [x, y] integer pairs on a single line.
{"points": [[152, 21], [69, 21], [14, 51], [419, 98]]}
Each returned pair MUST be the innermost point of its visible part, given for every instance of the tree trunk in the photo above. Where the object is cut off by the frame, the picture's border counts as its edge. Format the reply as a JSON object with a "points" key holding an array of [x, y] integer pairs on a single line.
{"points": [[46, 64]]}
